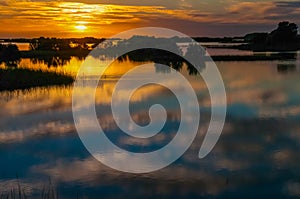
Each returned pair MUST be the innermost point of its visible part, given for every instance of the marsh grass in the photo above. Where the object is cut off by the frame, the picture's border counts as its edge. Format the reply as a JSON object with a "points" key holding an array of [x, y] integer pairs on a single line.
{"points": [[22, 78], [19, 192]]}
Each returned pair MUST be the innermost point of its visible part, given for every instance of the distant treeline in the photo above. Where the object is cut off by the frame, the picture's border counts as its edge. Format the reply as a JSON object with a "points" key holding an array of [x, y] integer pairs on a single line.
{"points": [[220, 39], [69, 40], [56, 44], [97, 40], [284, 38], [52, 51]]}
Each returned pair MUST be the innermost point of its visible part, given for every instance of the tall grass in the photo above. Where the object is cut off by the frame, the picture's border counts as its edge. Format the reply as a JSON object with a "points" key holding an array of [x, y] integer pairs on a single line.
{"points": [[19, 192], [22, 78], [68, 67]]}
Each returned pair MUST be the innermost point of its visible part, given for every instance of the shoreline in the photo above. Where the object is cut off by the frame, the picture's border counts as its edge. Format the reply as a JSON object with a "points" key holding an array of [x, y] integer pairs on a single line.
{"points": [[275, 57], [84, 53]]}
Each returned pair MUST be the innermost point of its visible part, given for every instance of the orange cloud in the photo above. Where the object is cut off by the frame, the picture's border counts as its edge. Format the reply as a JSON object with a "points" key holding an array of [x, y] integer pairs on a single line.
{"points": [[59, 18], [62, 17]]}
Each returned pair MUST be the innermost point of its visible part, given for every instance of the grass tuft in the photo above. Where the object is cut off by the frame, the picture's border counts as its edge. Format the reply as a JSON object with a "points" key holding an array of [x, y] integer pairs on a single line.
{"points": [[22, 78]]}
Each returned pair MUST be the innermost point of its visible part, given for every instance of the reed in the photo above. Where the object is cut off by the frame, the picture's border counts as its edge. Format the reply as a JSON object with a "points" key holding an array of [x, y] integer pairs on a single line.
{"points": [[22, 78]]}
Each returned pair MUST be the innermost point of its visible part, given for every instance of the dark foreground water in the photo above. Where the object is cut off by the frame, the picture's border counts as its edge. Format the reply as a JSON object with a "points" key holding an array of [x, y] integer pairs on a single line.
{"points": [[257, 154]]}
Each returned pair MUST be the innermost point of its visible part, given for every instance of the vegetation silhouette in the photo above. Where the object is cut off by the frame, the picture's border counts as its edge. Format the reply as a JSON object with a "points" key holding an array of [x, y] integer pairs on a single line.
{"points": [[52, 51], [197, 54], [12, 79], [49, 49], [56, 44], [51, 44], [52, 61], [284, 38], [175, 59], [9, 54]]}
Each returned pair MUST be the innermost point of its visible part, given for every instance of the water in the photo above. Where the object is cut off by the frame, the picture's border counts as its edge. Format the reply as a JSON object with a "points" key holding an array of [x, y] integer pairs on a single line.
{"points": [[21, 46], [257, 154], [224, 51], [213, 48]]}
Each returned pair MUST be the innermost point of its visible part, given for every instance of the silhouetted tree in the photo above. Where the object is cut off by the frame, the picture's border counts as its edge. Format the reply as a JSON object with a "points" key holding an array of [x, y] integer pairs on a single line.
{"points": [[9, 54], [285, 32], [158, 54], [283, 38], [49, 44]]}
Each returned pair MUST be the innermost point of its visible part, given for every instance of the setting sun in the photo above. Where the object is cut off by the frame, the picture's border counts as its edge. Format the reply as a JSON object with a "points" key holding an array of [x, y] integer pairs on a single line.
{"points": [[81, 27]]}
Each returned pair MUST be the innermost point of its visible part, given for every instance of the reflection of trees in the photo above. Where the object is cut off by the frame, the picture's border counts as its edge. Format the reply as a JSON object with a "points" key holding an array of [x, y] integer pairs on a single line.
{"points": [[52, 61], [196, 54], [287, 66], [174, 59], [288, 56], [167, 58], [284, 68]]}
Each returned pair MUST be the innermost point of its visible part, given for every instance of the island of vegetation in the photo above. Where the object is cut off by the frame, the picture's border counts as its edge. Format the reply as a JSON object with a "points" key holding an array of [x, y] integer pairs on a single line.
{"points": [[284, 38], [12, 77], [55, 52]]}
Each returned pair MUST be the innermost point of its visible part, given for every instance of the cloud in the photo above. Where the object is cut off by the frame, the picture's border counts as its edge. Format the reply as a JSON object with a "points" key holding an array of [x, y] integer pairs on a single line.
{"points": [[265, 12], [106, 18], [287, 4], [50, 128], [62, 15], [3, 3]]}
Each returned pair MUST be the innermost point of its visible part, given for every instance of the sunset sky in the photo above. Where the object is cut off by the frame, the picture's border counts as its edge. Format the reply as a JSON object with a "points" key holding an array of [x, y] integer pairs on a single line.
{"points": [[104, 18]]}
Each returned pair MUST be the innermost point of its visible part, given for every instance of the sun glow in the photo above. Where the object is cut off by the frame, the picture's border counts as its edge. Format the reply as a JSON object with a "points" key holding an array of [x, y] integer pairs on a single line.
{"points": [[81, 27]]}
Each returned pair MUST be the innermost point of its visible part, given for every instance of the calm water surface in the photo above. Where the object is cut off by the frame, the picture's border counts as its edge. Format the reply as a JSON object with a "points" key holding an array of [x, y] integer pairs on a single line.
{"points": [[257, 154]]}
